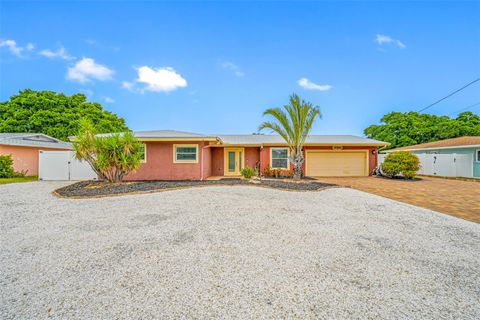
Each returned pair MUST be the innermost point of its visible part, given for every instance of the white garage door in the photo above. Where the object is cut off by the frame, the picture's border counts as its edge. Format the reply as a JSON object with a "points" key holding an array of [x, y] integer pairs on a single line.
{"points": [[336, 163], [62, 165]]}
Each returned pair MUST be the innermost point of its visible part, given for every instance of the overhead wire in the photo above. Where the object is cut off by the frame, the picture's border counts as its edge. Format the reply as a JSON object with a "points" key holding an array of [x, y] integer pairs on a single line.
{"points": [[449, 95]]}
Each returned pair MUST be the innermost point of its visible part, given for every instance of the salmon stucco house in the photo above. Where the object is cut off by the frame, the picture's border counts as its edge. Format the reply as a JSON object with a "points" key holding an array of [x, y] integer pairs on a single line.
{"points": [[177, 155], [25, 148]]}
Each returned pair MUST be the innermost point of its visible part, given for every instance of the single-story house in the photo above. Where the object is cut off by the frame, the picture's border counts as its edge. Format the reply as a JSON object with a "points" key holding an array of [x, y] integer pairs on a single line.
{"points": [[177, 155], [468, 145], [25, 148]]}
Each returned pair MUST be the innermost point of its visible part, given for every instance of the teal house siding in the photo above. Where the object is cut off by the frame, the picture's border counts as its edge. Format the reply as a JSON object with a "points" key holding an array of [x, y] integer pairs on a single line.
{"points": [[472, 151]]}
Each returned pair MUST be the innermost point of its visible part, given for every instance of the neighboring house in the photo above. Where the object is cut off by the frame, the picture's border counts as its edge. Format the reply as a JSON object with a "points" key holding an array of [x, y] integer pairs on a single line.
{"points": [[462, 146], [25, 147], [176, 155]]}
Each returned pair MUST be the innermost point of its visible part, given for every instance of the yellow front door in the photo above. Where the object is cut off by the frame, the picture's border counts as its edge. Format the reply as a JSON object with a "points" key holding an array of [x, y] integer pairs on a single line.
{"points": [[234, 161]]}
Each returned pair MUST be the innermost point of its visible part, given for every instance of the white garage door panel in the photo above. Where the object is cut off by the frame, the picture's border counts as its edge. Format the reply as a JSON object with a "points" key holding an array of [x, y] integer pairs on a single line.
{"points": [[336, 164], [81, 170], [62, 165], [53, 165]]}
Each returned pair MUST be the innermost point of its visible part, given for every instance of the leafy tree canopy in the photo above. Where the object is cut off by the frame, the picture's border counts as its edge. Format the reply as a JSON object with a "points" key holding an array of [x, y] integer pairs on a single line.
{"points": [[409, 128], [55, 114]]}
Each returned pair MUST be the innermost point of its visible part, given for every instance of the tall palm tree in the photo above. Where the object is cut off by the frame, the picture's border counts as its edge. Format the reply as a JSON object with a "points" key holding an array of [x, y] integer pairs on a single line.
{"points": [[293, 123]]}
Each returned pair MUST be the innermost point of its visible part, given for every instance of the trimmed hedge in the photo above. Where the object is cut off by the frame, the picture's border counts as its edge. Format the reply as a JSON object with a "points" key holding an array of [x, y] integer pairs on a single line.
{"points": [[6, 166], [402, 163]]}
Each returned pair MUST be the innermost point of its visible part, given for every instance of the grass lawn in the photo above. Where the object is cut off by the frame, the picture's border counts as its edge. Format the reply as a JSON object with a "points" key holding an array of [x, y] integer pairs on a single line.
{"points": [[18, 179]]}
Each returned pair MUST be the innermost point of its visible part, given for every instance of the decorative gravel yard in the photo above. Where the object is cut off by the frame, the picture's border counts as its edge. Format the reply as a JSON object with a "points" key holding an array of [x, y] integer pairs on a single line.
{"points": [[233, 252]]}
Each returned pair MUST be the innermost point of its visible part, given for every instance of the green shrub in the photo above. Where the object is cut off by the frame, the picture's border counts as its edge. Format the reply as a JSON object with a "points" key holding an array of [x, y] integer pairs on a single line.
{"points": [[247, 172], [401, 162], [6, 166]]}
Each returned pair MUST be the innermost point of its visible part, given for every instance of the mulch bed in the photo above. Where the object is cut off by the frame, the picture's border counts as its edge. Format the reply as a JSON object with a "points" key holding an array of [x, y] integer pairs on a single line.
{"points": [[92, 189]]}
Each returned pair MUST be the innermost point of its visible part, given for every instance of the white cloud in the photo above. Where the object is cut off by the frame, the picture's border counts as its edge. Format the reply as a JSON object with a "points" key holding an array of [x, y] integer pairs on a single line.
{"points": [[382, 39], [108, 100], [309, 85], [227, 65], [12, 46], [60, 53], [159, 80], [86, 69], [128, 85]]}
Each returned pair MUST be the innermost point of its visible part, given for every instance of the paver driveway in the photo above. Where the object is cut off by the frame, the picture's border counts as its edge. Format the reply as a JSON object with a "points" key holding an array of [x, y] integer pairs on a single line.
{"points": [[233, 252], [455, 197]]}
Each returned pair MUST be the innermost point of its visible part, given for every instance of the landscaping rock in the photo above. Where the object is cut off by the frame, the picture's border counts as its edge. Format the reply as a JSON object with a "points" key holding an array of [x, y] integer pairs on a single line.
{"points": [[97, 188], [234, 252]]}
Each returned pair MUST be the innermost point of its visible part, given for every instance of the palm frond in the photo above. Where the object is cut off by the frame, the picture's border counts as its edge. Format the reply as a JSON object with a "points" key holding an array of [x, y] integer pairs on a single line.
{"points": [[281, 117], [276, 128], [312, 114], [293, 122]]}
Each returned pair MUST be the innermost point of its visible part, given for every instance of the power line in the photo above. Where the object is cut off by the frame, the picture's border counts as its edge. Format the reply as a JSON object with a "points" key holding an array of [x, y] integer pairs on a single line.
{"points": [[466, 108], [451, 94]]}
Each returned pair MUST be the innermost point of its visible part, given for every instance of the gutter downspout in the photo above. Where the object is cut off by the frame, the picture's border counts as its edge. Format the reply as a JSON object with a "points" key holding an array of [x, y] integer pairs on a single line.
{"points": [[380, 149], [377, 166]]}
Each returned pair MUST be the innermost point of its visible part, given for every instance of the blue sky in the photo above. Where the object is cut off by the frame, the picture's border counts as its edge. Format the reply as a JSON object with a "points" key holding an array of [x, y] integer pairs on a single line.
{"points": [[214, 67]]}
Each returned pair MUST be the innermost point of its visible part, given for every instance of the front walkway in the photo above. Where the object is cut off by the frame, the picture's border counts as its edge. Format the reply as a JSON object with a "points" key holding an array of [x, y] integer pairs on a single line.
{"points": [[454, 197]]}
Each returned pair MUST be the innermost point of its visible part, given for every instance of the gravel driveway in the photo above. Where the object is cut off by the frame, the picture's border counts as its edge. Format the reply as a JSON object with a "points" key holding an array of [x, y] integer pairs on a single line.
{"points": [[233, 252]]}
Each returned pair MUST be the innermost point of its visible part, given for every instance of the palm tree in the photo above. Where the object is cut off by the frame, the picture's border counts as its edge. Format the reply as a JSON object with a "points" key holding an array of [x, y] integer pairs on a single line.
{"points": [[293, 123], [112, 156]]}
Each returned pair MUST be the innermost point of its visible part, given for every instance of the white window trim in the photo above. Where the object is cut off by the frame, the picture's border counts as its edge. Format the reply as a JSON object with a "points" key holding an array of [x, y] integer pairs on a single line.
{"points": [[185, 145], [145, 153], [288, 158], [477, 155]]}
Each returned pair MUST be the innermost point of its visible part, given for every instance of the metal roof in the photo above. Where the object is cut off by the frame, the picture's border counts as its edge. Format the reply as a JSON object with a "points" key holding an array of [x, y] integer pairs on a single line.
{"points": [[33, 140], [254, 139], [460, 142], [166, 134], [170, 134], [257, 139]]}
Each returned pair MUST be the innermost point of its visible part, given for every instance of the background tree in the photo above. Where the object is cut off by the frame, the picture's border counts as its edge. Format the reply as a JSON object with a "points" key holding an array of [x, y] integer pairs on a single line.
{"points": [[55, 114], [112, 157], [293, 123], [404, 129]]}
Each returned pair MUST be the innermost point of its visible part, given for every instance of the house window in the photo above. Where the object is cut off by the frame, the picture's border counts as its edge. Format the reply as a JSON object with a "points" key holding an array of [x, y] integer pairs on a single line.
{"points": [[477, 153], [143, 152], [185, 153], [279, 158]]}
